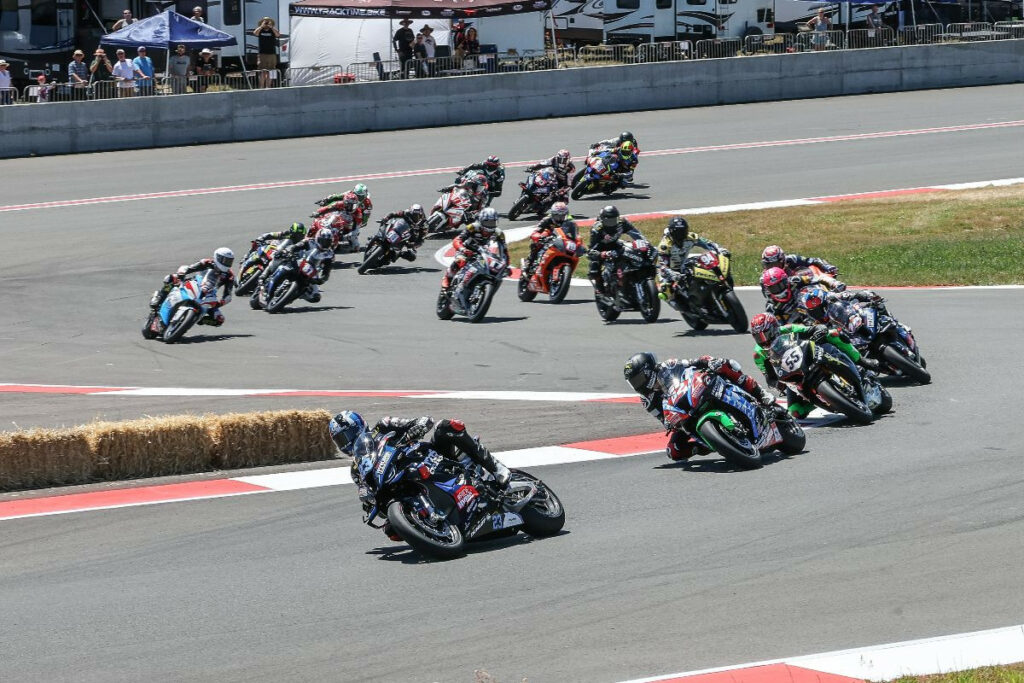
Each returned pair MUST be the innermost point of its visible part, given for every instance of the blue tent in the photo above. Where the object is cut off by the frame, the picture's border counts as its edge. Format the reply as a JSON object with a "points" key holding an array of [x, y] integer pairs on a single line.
{"points": [[166, 29]]}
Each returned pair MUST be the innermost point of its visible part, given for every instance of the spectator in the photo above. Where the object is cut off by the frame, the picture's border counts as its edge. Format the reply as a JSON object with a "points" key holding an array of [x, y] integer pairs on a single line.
{"points": [[267, 60], [6, 96], [430, 46], [144, 73], [419, 52], [124, 75], [874, 19], [43, 91], [458, 31], [403, 42], [875, 25], [101, 75], [470, 45], [206, 69], [179, 69], [197, 14], [78, 75], [820, 25], [125, 20]]}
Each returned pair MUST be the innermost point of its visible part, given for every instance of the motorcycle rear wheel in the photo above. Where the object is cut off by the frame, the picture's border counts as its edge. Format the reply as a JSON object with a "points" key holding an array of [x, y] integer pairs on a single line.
{"points": [[907, 367], [281, 297], [371, 260], [178, 326], [147, 331], [841, 403], [447, 544], [518, 208], [714, 433], [561, 280]]}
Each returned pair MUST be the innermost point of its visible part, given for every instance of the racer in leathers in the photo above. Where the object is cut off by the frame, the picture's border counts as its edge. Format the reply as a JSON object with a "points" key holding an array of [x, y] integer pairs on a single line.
{"points": [[814, 303], [562, 166], [417, 221], [295, 233], [628, 159], [318, 250], [605, 243], [348, 205], [615, 142], [782, 293], [650, 379], [216, 272], [472, 239], [675, 246], [362, 197], [475, 190], [774, 257], [765, 328], [495, 172], [558, 217]]}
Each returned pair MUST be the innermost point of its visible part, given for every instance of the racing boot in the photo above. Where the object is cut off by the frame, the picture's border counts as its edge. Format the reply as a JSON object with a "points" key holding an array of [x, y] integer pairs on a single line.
{"points": [[408, 255], [157, 299], [869, 364]]}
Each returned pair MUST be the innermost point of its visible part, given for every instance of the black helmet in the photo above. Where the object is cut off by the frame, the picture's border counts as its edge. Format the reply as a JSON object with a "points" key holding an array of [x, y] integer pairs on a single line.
{"points": [[640, 371], [626, 135], [609, 217], [678, 229]]}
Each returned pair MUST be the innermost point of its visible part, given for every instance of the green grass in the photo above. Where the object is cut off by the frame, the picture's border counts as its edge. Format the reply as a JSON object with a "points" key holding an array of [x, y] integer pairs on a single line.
{"points": [[1014, 673], [949, 238]]}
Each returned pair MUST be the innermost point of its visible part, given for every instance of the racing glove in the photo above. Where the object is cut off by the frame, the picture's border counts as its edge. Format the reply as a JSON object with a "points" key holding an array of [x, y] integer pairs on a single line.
{"points": [[819, 333]]}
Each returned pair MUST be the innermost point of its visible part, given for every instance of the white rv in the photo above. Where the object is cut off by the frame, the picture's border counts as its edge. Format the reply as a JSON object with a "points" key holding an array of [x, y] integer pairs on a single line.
{"points": [[644, 21], [579, 21], [790, 13]]}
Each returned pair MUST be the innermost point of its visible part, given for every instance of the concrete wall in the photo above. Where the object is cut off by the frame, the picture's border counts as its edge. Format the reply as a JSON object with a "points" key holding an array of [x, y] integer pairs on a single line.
{"points": [[332, 109]]}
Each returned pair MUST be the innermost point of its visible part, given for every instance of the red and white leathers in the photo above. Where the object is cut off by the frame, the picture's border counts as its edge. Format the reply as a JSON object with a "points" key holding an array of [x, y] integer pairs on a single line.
{"points": [[467, 243], [209, 279]]}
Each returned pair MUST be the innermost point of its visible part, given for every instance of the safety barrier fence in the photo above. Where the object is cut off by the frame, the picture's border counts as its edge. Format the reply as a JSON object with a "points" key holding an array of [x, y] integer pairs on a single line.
{"points": [[529, 60]]}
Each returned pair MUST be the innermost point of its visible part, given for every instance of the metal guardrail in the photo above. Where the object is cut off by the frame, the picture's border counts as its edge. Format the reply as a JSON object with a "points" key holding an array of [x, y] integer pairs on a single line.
{"points": [[1015, 29], [922, 34], [594, 55], [861, 38], [8, 95], [718, 48], [769, 44], [674, 51], [320, 75], [817, 41]]}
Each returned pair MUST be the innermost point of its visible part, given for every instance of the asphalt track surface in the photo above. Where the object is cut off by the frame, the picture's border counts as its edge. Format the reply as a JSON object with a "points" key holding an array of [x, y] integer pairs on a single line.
{"points": [[904, 529]]}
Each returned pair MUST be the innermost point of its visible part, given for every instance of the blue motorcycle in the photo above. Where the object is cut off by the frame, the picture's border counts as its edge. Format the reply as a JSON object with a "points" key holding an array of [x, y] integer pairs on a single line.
{"points": [[438, 504], [600, 174], [184, 306]]}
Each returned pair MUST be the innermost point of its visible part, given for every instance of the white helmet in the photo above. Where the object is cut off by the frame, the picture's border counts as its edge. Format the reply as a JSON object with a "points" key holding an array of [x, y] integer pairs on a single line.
{"points": [[489, 218], [223, 258]]}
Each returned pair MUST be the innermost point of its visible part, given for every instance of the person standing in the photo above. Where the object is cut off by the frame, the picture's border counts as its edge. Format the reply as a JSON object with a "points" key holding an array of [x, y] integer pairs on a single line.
{"points": [[875, 25], [197, 14], [101, 75], [403, 41], [6, 94], [267, 60], [179, 69], [125, 20], [124, 75], [430, 47], [820, 25], [144, 73], [78, 75]]}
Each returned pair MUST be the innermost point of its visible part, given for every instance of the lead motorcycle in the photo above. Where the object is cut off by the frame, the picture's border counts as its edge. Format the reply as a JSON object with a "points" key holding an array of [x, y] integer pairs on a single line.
{"points": [[438, 504], [472, 289], [451, 211], [599, 174], [384, 248], [709, 298], [539, 192], [727, 419], [629, 282], [184, 306], [879, 335], [825, 376]]}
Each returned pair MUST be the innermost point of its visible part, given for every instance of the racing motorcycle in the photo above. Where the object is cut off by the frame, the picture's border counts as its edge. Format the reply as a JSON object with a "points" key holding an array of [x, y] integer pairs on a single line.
{"points": [[184, 306], [343, 225], [552, 273], [482, 179], [384, 248], [710, 298], [259, 257], [473, 287], [438, 504], [877, 334], [538, 194], [452, 210], [826, 377], [727, 419], [598, 174], [629, 282], [291, 280], [822, 278]]}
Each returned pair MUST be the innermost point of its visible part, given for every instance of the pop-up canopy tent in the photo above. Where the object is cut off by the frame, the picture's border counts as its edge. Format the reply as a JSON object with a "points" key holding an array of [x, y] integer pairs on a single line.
{"points": [[343, 32], [167, 30]]}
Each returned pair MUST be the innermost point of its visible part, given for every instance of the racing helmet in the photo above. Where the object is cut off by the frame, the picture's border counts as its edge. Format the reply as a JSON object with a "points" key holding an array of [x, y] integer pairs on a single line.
{"points": [[472, 185], [764, 328], [559, 211], [563, 158], [776, 283], [296, 231], [351, 201], [812, 303], [360, 191], [626, 135], [678, 230], [492, 163], [609, 217], [415, 214], [640, 372], [325, 239], [773, 257], [488, 220], [345, 428], [223, 259]]}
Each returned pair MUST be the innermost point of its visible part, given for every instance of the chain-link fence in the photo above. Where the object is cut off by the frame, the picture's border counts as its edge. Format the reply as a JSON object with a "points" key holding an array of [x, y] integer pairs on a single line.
{"points": [[769, 44], [718, 48]]}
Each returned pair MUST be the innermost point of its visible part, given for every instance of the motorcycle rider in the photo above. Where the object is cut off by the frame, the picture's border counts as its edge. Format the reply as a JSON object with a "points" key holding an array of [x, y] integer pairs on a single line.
{"points": [[417, 221], [495, 172], [472, 239], [628, 159], [362, 194], [473, 187], [349, 205], [615, 142], [650, 379], [676, 244], [558, 217], [782, 292], [216, 272], [765, 328], [814, 302], [774, 257], [561, 164], [317, 250], [604, 239], [294, 233]]}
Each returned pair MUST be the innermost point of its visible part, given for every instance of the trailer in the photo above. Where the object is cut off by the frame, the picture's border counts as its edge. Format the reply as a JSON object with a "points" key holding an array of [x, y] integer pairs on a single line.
{"points": [[580, 22], [647, 21]]}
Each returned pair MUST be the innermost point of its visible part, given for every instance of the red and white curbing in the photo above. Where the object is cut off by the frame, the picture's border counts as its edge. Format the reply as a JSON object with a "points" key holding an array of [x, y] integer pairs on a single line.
{"points": [[944, 654]]}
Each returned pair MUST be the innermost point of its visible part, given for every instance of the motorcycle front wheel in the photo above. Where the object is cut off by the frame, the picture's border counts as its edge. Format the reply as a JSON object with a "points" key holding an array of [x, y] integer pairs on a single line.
{"points": [[561, 280], [478, 309], [247, 279], [518, 208], [371, 260], [649, 303], [579, 190], [180, 324], [282, 295], [907, 367], [743, 455], [736, 315], [544, 515], [443, 542], [839, 402]]}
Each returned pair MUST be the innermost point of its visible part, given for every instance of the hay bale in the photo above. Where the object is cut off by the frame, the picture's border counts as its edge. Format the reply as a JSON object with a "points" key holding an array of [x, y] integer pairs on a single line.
{"points": [[44, 457], [151, 447], [283, 436]]}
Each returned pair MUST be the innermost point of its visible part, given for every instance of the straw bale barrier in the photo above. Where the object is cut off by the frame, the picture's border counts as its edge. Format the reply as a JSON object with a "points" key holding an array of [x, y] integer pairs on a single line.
{"points": [[158, 446]]}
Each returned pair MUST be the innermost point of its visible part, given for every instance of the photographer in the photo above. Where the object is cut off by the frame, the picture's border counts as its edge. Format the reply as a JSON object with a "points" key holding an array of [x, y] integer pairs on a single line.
{"points": [[267, 60], [101, 75]]}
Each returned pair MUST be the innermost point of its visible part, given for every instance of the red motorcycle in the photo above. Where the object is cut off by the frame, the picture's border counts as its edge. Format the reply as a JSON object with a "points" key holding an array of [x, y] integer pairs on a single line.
{"points": [[552, 274], [452, 210], [341, 222]]}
